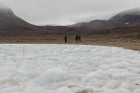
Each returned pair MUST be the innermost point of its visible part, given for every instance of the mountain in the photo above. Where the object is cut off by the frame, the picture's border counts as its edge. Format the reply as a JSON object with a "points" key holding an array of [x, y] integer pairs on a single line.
{"points": [[126, 18], [95, 24], [130, 17], [12, 25], [9, 20]]}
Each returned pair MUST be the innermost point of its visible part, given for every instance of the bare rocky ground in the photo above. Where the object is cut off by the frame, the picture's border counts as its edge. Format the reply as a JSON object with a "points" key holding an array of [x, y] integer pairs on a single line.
{"points": [[59, 39]]}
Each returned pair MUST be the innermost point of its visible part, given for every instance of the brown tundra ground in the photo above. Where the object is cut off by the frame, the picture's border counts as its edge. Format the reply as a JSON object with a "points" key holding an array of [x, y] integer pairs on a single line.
{"points": [[59, 39]]}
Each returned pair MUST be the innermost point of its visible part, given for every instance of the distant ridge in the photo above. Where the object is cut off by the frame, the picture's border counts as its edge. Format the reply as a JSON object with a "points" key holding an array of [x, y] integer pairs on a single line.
{"points": [[129, 17]]}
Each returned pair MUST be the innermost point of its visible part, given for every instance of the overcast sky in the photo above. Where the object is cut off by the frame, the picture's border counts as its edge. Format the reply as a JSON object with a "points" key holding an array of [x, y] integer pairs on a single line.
{"points": [[64, 12]]}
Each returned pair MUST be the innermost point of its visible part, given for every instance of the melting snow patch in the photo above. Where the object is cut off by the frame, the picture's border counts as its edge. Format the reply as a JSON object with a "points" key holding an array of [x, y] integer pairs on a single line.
{"points": [[53, 75], [58, 68]]}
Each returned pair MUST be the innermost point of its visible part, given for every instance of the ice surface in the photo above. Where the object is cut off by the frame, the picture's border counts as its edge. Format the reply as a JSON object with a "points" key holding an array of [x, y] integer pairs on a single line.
{"points": [[57, 68], [53, 75]]}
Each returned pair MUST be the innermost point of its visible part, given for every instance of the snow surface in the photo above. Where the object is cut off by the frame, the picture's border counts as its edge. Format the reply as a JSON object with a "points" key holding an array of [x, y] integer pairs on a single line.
{"points": [[50, 68]]}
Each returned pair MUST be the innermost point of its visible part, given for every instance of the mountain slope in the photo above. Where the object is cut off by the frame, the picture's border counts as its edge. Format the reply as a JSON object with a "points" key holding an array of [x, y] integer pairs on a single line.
{"points": [[126, 18], [130, 17], [9, 19]]}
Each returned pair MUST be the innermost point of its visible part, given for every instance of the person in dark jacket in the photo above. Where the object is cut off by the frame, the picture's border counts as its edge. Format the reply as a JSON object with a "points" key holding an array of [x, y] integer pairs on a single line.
{"points": [[65, 38]]}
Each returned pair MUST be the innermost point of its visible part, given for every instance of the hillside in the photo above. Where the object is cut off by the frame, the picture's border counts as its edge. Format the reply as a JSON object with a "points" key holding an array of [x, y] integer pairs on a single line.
{"points": [[127, 18], [8, 18]]}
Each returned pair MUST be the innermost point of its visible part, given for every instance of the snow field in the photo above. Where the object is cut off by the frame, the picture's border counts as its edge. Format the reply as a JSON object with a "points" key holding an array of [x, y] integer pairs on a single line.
{"points": [[54, 68]]}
